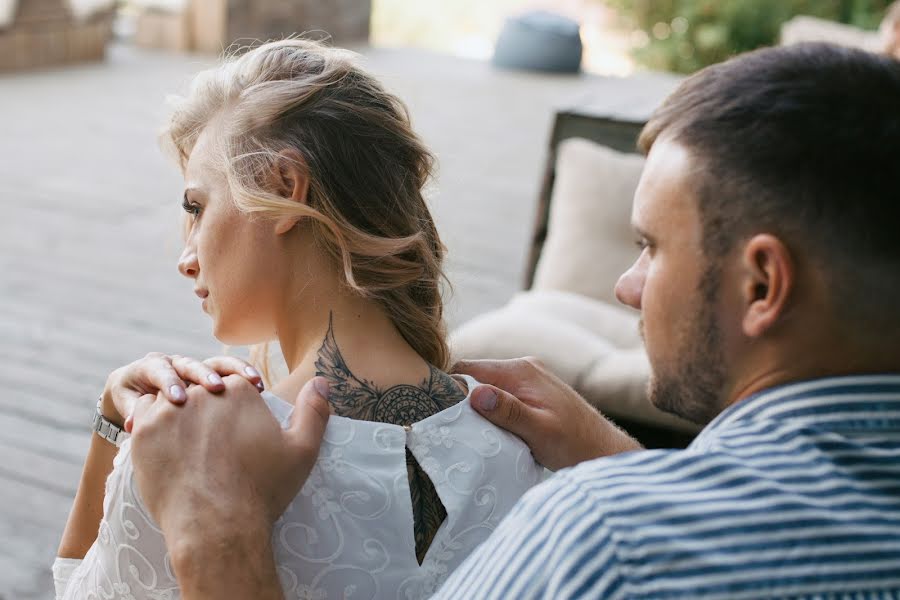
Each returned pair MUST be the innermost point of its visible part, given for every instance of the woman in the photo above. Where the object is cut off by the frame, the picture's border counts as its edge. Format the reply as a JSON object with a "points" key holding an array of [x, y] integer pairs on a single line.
{"points": [[306, 224]]}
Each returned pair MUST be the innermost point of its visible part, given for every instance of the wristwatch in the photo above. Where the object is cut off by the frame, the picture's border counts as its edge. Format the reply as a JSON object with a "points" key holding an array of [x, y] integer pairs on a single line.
{"points": [[106, 429]]}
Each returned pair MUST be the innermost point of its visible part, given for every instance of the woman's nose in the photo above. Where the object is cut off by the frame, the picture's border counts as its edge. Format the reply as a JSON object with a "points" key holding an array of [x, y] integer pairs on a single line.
{"points": [[630, 287], [188, 264]]}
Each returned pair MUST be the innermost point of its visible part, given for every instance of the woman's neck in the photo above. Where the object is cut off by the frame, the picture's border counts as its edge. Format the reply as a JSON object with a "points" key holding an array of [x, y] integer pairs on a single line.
{"points": [[348, 339]]}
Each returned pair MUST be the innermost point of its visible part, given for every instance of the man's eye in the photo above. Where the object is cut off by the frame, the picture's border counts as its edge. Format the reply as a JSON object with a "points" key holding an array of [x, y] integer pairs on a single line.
{"points": [[641, 244]]}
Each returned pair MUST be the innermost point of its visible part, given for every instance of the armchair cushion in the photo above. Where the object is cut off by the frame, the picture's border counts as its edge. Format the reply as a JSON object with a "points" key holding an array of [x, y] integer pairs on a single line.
{"points": [[591, 345], [589, 240]]}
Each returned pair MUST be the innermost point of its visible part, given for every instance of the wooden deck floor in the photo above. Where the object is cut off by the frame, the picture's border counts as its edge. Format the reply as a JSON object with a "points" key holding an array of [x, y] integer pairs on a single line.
{"points": [[88, 243]]}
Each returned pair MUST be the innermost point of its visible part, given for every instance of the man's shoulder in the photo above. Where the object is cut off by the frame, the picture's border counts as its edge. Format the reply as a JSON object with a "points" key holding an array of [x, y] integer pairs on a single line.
{"points": [[646, 471]]}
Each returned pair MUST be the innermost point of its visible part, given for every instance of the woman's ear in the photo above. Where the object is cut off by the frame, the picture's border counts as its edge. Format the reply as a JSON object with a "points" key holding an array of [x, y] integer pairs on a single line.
{"points": [[292, 183], [768, 283]]}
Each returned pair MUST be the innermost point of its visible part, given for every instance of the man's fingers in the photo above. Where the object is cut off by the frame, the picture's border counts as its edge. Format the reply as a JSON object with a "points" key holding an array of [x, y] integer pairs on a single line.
{"points": [[504, 410], [505, 374], [311, 413]]}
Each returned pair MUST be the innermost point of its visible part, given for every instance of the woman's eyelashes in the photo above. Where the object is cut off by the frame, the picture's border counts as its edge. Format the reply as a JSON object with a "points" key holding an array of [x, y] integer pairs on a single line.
{"points": [[191, 208]]}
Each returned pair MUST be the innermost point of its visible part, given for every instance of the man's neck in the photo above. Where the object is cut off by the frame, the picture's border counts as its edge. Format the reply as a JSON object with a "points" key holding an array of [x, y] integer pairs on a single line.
{"points": [[812, 366]]}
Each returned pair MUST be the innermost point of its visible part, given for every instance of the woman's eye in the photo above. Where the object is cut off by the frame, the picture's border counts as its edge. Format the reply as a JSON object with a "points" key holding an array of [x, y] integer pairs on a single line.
{"points": [[641, 244], [191, 208]]}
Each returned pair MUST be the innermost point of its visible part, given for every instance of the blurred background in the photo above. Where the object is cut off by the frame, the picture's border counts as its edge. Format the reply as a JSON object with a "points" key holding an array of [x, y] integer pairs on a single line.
{"points": [[536, 226]]}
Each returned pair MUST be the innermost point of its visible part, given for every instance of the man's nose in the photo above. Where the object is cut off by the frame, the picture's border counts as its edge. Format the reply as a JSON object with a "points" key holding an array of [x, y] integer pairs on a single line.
{"points": [[188, 264], [630, 287]]}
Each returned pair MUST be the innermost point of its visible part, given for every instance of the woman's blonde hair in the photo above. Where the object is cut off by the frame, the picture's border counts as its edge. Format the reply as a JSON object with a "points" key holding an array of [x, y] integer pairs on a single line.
{"points": [[302, 101]]}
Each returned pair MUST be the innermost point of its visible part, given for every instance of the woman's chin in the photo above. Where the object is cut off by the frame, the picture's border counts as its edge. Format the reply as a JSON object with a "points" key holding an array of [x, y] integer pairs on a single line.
{"points": [[230, 337]]}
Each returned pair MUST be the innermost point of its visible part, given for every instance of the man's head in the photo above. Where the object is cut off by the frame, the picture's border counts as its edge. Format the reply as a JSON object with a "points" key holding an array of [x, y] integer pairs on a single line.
{"points": [[770, 214], [890, 30]]}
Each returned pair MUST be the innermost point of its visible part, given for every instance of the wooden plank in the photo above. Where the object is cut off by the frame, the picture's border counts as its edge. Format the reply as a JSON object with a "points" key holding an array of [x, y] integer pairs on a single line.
{"points": [[41, 507], [44, 439], [37, 469]]}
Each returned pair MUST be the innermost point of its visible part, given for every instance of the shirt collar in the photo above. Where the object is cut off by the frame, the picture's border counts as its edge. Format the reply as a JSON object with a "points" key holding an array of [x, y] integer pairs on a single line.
{"points": [[854, 402]]}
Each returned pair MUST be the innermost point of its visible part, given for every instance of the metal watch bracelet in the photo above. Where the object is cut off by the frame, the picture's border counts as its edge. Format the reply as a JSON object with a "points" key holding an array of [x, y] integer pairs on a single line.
{"points": [[106, 429]]}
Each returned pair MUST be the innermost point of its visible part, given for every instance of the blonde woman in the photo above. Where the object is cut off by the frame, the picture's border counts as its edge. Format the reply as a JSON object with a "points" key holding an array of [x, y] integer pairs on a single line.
{"points": [[306, 224]]}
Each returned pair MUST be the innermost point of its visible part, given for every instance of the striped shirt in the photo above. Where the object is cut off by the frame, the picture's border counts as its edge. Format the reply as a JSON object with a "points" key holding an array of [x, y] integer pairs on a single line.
{"points": [[791, 493]]}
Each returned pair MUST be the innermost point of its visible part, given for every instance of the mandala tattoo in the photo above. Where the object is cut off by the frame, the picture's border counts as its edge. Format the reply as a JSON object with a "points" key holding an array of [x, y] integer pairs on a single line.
{"points": [[403, 404]]}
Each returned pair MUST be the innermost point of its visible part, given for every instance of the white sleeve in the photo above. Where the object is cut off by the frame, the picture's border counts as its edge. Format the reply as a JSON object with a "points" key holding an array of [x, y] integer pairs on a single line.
{"points": [[128, 559], [62, 574]]}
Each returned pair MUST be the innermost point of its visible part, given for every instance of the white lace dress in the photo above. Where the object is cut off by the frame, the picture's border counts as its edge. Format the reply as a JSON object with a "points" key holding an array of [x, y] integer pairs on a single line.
{"points": [[349, 532]]}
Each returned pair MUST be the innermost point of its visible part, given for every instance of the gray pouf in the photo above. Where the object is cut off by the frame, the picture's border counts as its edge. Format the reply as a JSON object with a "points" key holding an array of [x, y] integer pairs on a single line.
{"points": [[540, 41]]}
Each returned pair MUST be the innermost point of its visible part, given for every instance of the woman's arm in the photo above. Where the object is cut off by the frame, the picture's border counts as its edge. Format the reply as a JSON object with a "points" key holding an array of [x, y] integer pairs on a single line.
{"points": [[84, 519]]}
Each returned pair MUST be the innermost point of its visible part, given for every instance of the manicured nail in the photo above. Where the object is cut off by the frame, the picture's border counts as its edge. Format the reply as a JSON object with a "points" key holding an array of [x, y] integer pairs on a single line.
{"points": [[129, 424], [252, 372], [485, 397], [176, 392], [215, 379], [321, 385]]}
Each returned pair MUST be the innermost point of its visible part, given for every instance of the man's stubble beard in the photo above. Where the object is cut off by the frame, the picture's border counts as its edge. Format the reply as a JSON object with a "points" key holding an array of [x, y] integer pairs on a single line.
{"points": [[692, 388]]}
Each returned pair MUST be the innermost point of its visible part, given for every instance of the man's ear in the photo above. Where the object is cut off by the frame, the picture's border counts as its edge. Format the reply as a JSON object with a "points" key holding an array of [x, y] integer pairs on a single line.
{"points": [[768, 282], [292, 183]]}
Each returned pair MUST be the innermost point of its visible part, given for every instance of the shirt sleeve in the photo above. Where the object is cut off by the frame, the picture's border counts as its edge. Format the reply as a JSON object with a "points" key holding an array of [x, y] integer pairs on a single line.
{"points": [[62, 574], [553, 544]]}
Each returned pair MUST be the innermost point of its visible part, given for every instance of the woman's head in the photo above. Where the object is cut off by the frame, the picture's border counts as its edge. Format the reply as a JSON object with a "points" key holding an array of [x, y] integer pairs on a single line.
{"points": [[300, 166]]}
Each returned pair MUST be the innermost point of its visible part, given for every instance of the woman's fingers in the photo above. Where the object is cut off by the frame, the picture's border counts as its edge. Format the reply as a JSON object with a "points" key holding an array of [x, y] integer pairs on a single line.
{"points": [[194, 371], [157, 372], [232, 365]]}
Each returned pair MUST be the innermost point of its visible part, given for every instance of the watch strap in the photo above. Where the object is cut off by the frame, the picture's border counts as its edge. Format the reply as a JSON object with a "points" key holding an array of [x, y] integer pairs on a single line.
{"points": [[106, 429]]}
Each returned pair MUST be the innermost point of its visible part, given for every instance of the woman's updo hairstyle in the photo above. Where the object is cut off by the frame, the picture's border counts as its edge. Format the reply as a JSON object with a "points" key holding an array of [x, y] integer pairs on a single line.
{"points": [[366, 169]]}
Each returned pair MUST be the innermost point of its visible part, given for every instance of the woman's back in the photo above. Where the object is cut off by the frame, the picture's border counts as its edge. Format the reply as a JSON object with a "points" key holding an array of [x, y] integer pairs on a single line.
{"points": [[350, 531]]}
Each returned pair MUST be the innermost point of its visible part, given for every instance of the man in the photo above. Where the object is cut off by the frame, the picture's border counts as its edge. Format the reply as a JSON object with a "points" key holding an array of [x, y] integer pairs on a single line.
{"points": [[769, 287], [890, 31]]}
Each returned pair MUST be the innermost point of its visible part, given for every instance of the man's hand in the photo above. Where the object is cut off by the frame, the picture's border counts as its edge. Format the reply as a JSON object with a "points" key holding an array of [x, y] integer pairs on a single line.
{"points": [[216, 472], [559, 426]]}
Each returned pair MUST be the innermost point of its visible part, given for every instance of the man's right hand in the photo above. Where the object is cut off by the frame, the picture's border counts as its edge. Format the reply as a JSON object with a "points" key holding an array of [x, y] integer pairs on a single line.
{"points": [[525, 398]]}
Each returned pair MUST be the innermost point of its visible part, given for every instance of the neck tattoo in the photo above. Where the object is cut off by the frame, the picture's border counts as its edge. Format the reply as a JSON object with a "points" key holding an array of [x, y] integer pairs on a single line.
{"points": [[351, 396]]}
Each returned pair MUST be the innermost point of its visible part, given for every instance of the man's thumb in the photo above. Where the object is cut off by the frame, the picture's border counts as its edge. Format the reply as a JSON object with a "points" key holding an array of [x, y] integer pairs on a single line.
{"points": [[311, 413], [500, 408]]}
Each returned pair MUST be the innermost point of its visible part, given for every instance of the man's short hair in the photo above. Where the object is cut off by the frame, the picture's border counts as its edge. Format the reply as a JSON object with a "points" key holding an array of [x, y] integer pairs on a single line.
{"points": [[802, 142]]}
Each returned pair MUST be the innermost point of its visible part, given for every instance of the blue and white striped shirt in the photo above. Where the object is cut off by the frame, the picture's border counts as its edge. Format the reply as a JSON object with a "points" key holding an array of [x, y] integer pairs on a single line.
{"points": [[791, 493]]}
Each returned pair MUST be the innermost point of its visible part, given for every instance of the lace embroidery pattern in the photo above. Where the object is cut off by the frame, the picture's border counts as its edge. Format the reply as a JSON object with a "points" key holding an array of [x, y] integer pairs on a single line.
{"points": [[348, 534]]}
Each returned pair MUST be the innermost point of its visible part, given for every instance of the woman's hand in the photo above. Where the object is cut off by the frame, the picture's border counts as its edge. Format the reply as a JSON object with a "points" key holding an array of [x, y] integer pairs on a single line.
{"points": [[525, 398], [169, 376]]}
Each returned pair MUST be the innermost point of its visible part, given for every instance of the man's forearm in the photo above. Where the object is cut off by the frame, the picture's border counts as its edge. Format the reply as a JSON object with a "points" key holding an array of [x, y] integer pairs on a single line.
{"points": [[227, 565]]}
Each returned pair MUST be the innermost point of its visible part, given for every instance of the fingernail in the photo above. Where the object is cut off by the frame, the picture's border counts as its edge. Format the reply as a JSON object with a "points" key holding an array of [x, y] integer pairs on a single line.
{"points": [[485, 397], [215, 379], [252, 372], [321, 385], [177, 393]]}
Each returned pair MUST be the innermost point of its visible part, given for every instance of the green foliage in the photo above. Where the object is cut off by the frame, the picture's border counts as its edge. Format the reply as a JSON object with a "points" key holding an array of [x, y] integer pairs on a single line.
{"points": [[686, 35]]}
